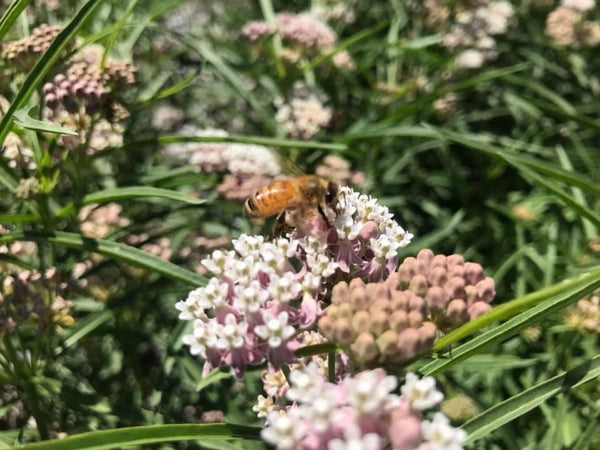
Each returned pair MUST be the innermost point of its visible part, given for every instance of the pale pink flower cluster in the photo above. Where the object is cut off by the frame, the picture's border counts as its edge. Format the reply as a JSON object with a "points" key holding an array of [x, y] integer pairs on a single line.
{"points": [[359, 412], [303, 117], [264, 293], [472, 33], [566, 25], [248, 159], [334, 10], [302, 35], [100, 221]]}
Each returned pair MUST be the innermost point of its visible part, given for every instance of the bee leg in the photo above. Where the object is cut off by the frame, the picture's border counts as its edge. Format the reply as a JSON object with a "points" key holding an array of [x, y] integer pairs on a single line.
{"points": [[323, 215], [280, 225]]}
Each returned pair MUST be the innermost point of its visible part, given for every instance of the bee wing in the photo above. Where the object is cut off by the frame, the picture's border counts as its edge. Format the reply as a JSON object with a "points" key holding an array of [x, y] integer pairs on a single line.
{"points": [[288, 166]]}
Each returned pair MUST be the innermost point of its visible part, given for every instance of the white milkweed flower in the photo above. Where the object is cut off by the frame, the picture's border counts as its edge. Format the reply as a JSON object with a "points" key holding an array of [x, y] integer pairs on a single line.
{"points": [[275, 330], [421, 393], [440, 435]]}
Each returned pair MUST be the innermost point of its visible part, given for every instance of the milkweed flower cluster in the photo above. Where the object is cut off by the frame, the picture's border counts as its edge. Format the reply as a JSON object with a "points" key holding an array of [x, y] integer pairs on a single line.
{"points": [[100, 221], [360, 412], [585, 315], [566, 25], [334, 11], [303, 116], [339, 170], [472, 31], [391, 322], [245, 159], [303, 35], [264, 293]]}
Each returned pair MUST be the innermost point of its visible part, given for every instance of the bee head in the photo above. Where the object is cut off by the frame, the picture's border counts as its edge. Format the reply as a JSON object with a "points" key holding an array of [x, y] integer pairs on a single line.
{"points": [[332, 193]]}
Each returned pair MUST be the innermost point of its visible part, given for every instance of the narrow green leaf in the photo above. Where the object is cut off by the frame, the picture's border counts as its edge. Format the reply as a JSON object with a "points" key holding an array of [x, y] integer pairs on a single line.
{"points": [[540, 304], [18, 218], [115, 250], [128, 193], [317, 349], [496, 416], [270, 142], [346, 44], [11, 14], [24, 120], [84, 327], [115, 33], [214, 377], [44, 65], [152, 434], [175, 89]]}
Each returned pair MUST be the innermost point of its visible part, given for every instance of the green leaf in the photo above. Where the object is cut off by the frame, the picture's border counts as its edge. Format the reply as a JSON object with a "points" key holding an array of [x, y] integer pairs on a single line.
{"points": [[214, 377], [11, 14], [269, 142], [115, 250], [44, 65], [496, 416], [539, 305], [24, 120], [84, 327], [18, 218], [152, 434], [128, 193], [175, 89]]}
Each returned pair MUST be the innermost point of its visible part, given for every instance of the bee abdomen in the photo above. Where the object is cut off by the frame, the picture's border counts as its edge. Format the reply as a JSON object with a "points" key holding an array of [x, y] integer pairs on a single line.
{"points": [[251, 208]]}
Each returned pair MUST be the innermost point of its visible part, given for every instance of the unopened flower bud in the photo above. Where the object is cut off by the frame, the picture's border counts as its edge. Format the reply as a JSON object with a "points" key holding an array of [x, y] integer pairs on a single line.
{"points": [[455, 288], [361, 322], [486, 289], [359, 299], [454, 260], [340, 293], [436, 298], [345, 311], [472, 294], [399, 300], [473, 272], [457, 271], [418, 284], [342, 331], [387, 343], [415, 319], [405, 430], [427, 335], [457, 311], [379, 322], [477, 309], [425, 255], [438, 261], [438, 276], [377, 291], [408, 343], [398, 320], [416, 303], [365, 348], [326, 325]]}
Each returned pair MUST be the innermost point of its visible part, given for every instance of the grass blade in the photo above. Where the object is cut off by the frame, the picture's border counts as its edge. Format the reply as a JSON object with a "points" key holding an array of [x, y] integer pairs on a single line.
{"points": [[24, 120], [115, 250], [44, 65], [11, 14], [129, 193], [502, 413], [152, 434]]}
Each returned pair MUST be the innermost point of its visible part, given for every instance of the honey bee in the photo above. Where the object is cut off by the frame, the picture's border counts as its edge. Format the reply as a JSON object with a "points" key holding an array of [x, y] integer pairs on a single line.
{"points": [[295, 200]]}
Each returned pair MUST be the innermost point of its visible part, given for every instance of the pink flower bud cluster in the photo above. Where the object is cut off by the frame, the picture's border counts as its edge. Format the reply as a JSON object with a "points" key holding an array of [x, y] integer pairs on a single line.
{"points": [[455, 291], [100, 221], [360, 412], [566, 25], [74, 95], [23, 53], [339, 170], [376, 324], [302, 35]]}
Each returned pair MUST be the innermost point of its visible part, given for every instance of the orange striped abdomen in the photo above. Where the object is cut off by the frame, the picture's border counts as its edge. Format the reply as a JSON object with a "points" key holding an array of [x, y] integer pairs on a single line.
{"points": [[272, 199]]}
